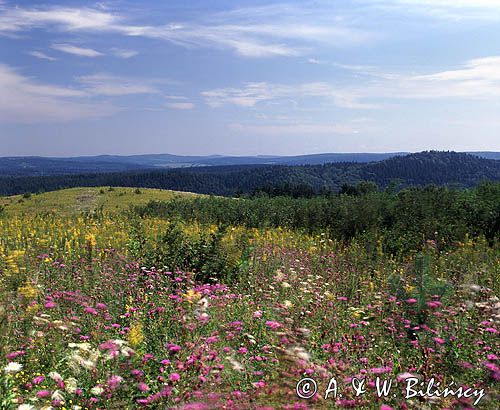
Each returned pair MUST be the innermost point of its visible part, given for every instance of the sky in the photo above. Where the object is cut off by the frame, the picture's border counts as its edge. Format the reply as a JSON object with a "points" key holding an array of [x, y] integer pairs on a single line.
{"points": [[243, 77]]}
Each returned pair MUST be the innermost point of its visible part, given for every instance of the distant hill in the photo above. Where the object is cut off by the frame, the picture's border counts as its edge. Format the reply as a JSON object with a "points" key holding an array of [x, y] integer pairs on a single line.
{"points": [[39, 166], [434, 167], [441, 168]]}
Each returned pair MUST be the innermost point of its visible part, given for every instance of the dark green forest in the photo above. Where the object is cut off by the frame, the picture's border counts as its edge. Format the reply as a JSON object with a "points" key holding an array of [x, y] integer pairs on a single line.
{"points": [[440, 168]]}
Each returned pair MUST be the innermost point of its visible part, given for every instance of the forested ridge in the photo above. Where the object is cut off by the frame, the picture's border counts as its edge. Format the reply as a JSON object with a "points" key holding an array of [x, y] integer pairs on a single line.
{"points": [[431, 167]]}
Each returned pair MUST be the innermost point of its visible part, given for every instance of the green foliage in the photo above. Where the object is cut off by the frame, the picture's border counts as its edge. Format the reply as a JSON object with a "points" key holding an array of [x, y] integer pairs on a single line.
{"points": [[204, 255], [420, 285], [402, 221]]}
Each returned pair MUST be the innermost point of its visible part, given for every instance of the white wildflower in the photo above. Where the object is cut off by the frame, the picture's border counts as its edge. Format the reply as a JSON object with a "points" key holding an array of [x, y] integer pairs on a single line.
{"points": [[76, 361], [304, 331], [127, 351], [58, 396], [55, 376], [13, 367], [298, 352], [71, 385], [86, 347], [97, 390], [235, 364], [26, 406]]}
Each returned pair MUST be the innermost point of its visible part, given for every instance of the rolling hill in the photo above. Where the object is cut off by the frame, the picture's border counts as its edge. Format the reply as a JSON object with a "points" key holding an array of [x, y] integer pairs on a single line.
{"points": [[75, 200]]}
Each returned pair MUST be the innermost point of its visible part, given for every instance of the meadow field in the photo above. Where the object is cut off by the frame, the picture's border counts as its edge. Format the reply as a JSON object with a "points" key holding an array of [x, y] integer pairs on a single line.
{"points": [[111, 301]]}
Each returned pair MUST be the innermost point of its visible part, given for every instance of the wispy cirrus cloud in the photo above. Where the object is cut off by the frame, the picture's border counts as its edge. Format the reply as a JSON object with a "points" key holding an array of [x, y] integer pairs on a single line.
{"points": [[180, 105], [447, 9], [41, 56], [123, 53], [476, 79], [17, 19], [251, 94], [113, 86], [298, 128], [275, 30], [26, 100], [285, 29], [77, 51]]}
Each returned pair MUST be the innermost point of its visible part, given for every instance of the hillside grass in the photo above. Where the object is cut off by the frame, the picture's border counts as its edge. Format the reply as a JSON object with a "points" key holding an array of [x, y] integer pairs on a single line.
{"points": [[76, 200]]}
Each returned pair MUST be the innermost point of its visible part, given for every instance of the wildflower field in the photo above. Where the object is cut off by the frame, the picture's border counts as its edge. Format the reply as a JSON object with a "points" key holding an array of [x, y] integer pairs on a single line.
{"points": [[116, 308]]}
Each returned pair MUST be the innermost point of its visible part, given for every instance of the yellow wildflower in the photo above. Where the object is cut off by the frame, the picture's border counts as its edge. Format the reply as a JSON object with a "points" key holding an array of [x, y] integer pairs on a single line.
{"points": [[28, 291], [90, 238], [136, 334], [192, 296]]}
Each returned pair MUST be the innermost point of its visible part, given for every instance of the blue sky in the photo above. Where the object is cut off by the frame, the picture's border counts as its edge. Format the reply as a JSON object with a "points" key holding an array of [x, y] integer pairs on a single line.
{"points": [[248, 77]]}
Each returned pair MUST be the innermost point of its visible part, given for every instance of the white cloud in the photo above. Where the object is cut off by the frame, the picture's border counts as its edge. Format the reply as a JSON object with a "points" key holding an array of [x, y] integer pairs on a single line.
{"points": [[42, 56], [475, 79], [180, 105], [113, 86], [121, 53], [448, 9], [77, 51], [253, 93], [303, 129], [15, 19], [277, 30], [175, 97], [453, 4], [25, 100]]}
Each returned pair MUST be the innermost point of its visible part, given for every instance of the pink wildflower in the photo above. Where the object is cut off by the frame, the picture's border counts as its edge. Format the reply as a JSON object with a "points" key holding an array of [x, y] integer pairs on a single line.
{"points": [[273, 325], [42, 394], [13, 355], [90, 310], [38, 379], [114, 381], [173, 348], [380, 370], [143, 387]]}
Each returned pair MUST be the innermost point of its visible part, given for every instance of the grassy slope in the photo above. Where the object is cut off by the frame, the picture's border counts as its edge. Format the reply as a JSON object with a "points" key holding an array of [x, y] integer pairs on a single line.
{"points": [[75, 200]]}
